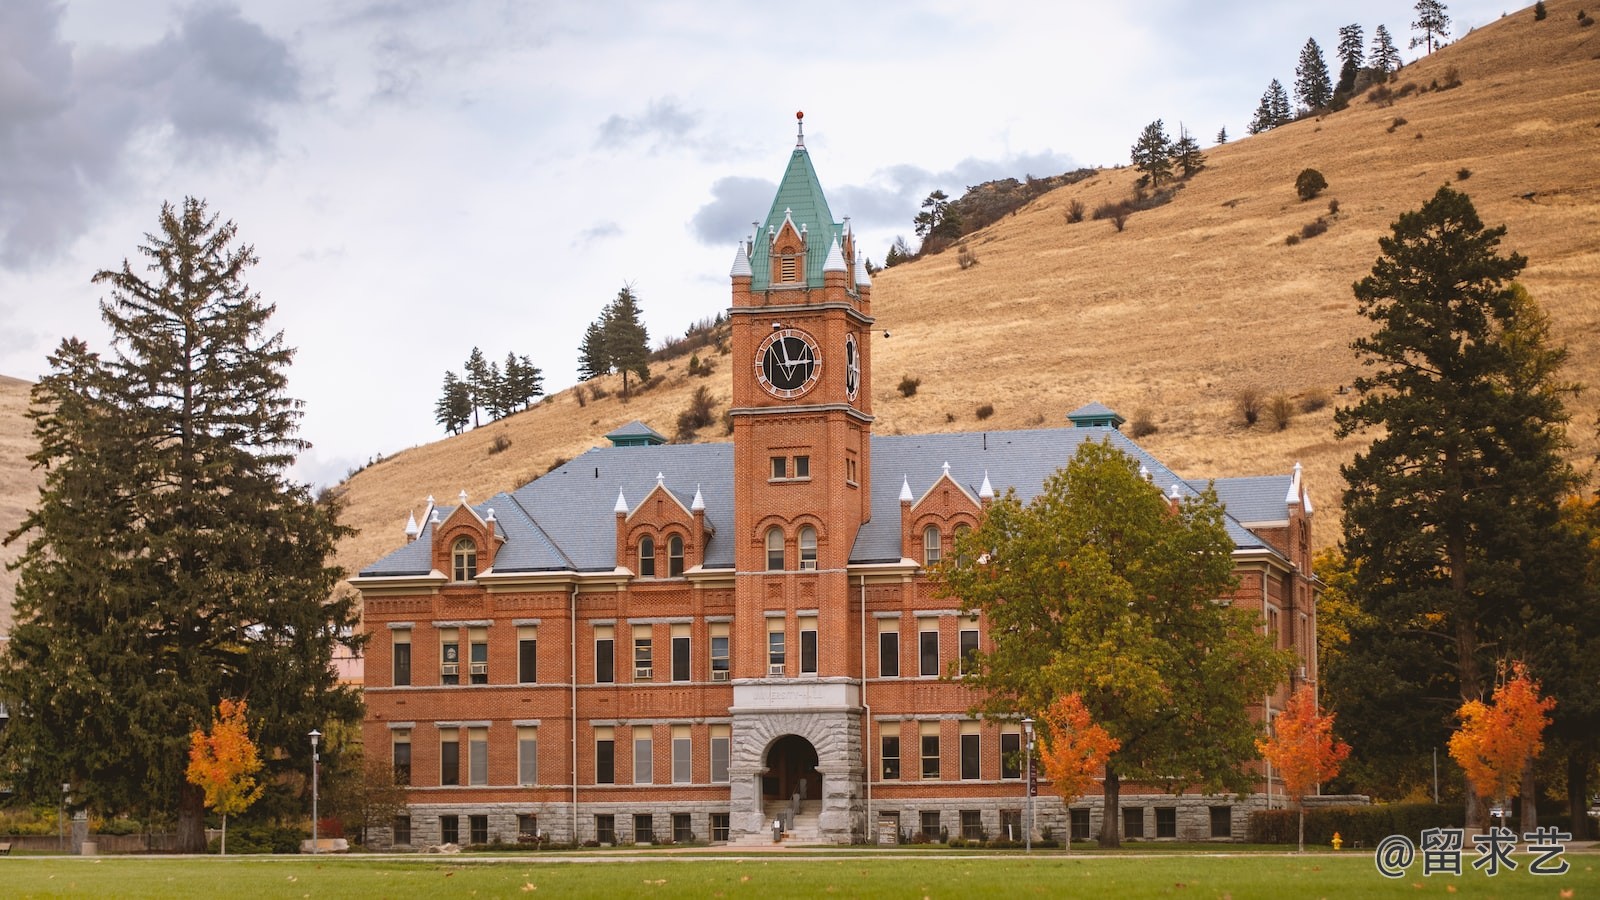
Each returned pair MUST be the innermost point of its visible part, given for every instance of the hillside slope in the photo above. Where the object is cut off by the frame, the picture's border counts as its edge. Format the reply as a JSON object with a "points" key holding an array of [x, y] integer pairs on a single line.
{"points": [[19, 483]]}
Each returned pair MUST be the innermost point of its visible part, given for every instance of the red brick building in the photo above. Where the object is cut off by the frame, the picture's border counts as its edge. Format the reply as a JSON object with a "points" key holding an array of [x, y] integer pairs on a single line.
{"points": [[668, 642]]}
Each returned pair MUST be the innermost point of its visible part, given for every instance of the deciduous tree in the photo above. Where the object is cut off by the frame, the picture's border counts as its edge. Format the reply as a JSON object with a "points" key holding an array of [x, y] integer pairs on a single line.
{"points": [[1303, 750], [224, 764], [1497, 740], [1075, 749], [1084, 588]]}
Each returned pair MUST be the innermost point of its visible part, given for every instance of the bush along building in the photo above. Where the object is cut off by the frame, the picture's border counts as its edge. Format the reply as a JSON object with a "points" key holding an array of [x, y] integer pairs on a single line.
{"points": [[661, 642]]}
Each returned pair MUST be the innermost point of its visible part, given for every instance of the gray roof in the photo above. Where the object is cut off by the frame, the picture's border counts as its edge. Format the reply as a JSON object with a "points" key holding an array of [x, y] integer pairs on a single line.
{"points": [[565, 520]]}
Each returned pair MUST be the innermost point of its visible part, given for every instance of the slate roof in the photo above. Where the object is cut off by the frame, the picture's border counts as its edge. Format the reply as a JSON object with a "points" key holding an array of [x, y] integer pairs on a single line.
{"points": [[800, 194], [564, 521]]}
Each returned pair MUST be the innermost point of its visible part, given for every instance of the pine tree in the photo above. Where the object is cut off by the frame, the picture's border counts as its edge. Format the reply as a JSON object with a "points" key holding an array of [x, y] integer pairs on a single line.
{"points": [[454, 407], [626, 340], [480, 384], [938, 218], [1311, 83], [170, 562], [1385, 56], [1152, 153], [494, 393], [1433, 24], [1186, 152], [1222, 135], [1273, 110], [522, 382], [1351, 40], [593, 361]]}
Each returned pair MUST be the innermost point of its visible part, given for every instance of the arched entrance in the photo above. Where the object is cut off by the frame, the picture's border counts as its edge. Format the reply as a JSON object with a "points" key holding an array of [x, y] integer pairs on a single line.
{"points": [[791, 765]]}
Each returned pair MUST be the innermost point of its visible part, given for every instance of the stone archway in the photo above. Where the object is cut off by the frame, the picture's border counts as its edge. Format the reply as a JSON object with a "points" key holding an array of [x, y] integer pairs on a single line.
{"points": [[791, 767], [774, 748]]}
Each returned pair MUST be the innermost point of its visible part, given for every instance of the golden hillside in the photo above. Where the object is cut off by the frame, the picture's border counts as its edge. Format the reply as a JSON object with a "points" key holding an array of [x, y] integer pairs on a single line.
{"points": [[19, 484], [1193, 302]]}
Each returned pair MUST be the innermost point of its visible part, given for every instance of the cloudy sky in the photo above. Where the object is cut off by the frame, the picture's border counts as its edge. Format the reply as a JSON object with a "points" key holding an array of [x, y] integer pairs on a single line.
{"points": [[420, 177]]}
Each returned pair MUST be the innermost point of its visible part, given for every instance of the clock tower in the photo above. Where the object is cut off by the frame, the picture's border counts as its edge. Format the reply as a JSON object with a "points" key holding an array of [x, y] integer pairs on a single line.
{"points": [[802, 425]]}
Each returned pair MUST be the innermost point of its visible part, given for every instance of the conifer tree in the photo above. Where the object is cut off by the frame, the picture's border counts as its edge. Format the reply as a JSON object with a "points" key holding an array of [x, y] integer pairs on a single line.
{"points": [[454, 407], [593, 360], [1186, 153], [1273, 110], [1152, 153], [1350, 57], [1222, 135], [480, 383], [1432, 23], [170, 562], [626, 340], [523, 382], [1311, 83], [1385, 56]]}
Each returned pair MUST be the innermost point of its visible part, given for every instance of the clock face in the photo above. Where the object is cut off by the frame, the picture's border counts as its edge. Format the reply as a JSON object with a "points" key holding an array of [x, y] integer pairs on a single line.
{"points": [[852, 367], [788, 363]]}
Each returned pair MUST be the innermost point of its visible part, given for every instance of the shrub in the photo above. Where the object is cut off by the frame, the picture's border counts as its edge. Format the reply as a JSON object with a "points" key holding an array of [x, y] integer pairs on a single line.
{"points": [[949, 417], [1333, 207], [1539, 12], [1075, 212], [582, 400], [1291, 240], [500, 444], [1463, 173], [985, 411], [1120, 219], [1313, 400], [1381, 95], [1358, 826], [1109, 208], [1406, 90], [1312, 229], [1282, 410], [965, 258], [1248, 403], [1309, 183], [261, 838], [699, 414], [1142, 424], [1585, 20], [596, 392], [1398, 122], [908, 386], [557, 463]]}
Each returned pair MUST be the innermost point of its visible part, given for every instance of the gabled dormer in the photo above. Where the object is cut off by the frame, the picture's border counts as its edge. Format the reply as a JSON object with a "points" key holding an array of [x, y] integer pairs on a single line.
{"points": [[928, 524], [786, 252], [660, 537], [464, 542]]}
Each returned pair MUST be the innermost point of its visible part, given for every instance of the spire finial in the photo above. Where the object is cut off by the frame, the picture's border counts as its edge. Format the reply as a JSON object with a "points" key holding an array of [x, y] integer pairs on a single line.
{"points": [[800, 129]]}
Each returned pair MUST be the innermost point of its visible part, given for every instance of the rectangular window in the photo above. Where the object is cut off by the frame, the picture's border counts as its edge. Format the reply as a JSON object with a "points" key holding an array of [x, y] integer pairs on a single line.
{"points": [[449, 830], [680, 653], [1222, 821], [721, 752], [478, 829], [643, 670], [450, 757], [1166, 821], [682, 755], [930, 824], [930, 750], [850, 469], [775, 651], [802, 467], [527, 654], [682, 828], [719, 652], [643, 755], [888, 648], [644, 828], [971, 755], [1080, 824], [808, 645], [400, 740], [604, 670], [478, 649], [968, 648], [527, 828], [928, 649], [780, 467], [605, 756], [402, 830], [450, 656], [1011, 824], [972, 824], [719, 826], [402, 656], [1133, 822], [605, 829], [527, 754], [889, 741], [1011, 754], [787, 269], [478, 756]]}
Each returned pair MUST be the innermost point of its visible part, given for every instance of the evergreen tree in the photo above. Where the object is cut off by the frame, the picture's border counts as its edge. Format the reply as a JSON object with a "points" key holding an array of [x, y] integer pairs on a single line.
{"points": [[495, 394], [1186, 152], [1273, 109], [1222, 135], [1452, 515], [626, 340], [1432, 22], [1152, 153], [1351, 40], [593, 361], [938, 218], [454, 407], [1539, 12], [480, 383], [1311, 83], [1385, 56], [169, 562], [522, 382]]}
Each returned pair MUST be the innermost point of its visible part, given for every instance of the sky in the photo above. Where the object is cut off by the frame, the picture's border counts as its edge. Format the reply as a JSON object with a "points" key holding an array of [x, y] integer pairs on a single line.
{"points": [[422, 177]]}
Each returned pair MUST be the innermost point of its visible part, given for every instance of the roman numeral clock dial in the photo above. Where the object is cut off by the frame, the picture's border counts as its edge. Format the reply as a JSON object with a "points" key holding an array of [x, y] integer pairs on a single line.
{"points": [[788, 363]]}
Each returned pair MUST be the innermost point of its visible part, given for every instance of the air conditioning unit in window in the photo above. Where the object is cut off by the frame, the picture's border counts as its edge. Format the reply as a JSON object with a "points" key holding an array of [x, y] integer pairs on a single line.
{"points": [[719, 675], [644, 674], [808, 565], [451, 668], [480, 668], [775, 669], [1302, 673]]}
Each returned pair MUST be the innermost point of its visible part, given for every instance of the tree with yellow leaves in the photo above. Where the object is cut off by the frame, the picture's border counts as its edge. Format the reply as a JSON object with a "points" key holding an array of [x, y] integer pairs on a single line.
{"points": [[1496, 740], [1303, 749], [224, 763], [1075, 749]]}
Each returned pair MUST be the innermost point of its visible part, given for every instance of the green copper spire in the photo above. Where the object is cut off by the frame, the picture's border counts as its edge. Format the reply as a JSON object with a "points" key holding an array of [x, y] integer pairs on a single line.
{"points": [[800, 199]]}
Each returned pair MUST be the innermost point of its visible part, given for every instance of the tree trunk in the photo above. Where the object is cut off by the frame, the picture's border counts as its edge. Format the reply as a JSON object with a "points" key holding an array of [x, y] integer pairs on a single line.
{"points": [[224, 835], [1109, 837], [1301, 805], [1578, 793], [191, 819], [1530, 799]]}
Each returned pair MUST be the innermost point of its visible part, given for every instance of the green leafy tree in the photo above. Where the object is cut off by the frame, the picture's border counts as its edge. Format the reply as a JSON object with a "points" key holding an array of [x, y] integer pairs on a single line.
{"points": [[1311, 83], [1351, 40], [1452, 514], [1385, 55], [1084, 588], [1186, 153], [626, 340], [170, 562], [1152, 153], [1432, 25], [453, 410]]}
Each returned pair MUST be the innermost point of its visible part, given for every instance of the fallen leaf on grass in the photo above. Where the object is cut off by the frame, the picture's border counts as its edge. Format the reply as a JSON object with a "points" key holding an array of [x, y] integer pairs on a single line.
{"points": [[528, 886]]}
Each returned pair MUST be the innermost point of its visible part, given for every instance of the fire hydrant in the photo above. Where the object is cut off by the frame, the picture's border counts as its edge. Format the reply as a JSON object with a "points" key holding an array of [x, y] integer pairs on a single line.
{"points": [[1337, 841]]}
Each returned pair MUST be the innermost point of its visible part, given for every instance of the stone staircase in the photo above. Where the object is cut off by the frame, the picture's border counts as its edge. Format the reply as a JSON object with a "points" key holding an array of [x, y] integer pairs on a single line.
{"points": [[807, 827]]}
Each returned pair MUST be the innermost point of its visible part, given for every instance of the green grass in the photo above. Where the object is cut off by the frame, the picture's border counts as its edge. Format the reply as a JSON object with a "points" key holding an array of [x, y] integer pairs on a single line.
{"points": [[861, 874]]}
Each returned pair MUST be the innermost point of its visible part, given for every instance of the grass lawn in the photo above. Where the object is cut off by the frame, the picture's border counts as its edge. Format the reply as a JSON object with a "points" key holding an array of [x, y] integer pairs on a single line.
{"points": [[862, 874]]}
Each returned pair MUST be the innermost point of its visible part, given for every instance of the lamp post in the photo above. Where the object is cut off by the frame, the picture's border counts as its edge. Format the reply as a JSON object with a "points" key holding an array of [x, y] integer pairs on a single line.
{"points": [[1027, 827], [61, 819], [315, 736]]}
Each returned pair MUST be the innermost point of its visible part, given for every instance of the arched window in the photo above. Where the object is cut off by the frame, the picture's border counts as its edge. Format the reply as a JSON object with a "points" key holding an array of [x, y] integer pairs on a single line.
{"points": [[774, 549], [931, 551], [464, 555], [961, 532], [647, 557], [675, 556], [808, 548]]}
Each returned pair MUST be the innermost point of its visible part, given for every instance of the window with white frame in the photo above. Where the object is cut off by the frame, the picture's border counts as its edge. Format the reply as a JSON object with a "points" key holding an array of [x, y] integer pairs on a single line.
{"points": [[928, 647], [930, 750], [675, 556], [721, 752], [932, 551], [888, 648], [647, 557], [720, 663], [643, 755], [604, 654], [774, 549], [400, 651], [478, 655], [527, 754], [477, 756], [643, 654], [464, 559], [682, 755], [808, 645], [808, 548], [680, 652]]}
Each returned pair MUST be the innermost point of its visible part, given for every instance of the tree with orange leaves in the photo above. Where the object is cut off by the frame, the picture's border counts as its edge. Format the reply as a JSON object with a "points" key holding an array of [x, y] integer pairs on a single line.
{"points": [[1496, 740], [1303, 749], [224, 763], [1075, 749]]}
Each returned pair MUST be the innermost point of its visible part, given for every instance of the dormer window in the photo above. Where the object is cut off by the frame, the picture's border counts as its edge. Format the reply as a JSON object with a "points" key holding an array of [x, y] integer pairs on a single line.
{"points": [[464, 556], [808, 548], [931, 547], [788, 270], [774, 550], [647, 557], [675, 556]]}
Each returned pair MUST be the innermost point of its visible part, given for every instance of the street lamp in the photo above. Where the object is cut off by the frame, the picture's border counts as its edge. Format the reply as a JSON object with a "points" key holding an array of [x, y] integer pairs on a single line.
{"points": [[315, 736], [1027, 828], [61, 818]]}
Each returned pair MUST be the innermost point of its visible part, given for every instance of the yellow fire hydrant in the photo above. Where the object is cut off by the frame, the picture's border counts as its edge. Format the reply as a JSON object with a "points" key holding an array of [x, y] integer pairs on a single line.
{"points": [[1337, 841]]}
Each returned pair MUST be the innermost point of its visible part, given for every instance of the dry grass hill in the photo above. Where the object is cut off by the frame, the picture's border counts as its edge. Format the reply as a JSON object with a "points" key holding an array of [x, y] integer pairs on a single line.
{"points": [[1195, 301]]}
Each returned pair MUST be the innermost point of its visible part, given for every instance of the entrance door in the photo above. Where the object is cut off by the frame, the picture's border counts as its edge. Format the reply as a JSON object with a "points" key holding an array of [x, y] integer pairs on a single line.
{"points": [[791, 769]]}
